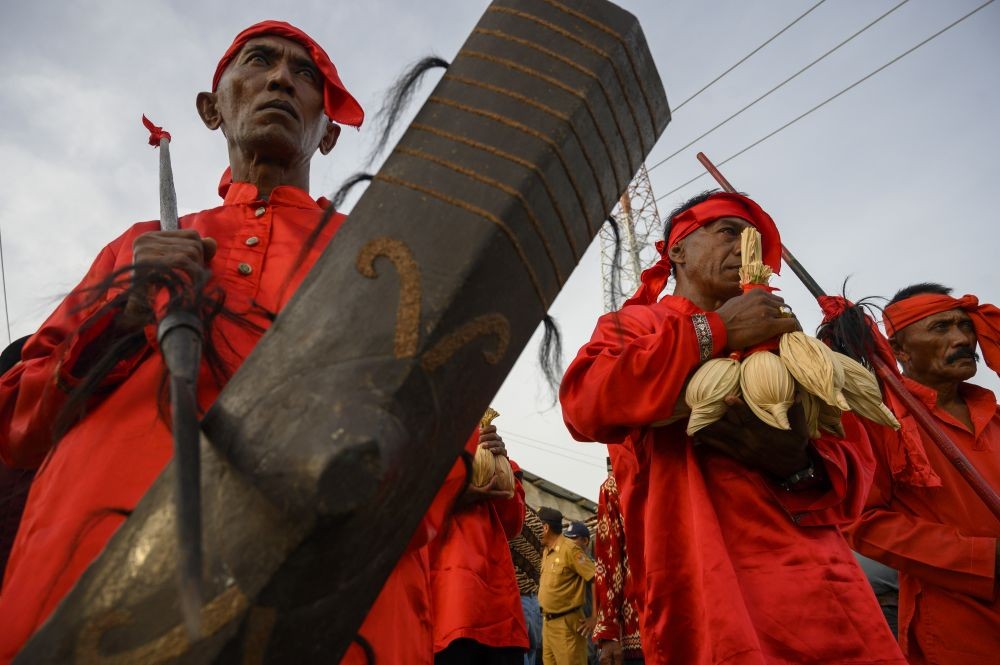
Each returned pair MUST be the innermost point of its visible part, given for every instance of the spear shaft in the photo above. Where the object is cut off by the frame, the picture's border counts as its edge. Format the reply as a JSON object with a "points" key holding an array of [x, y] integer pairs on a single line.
{"points": [[179, 335], [168, 195], [917, 408]]}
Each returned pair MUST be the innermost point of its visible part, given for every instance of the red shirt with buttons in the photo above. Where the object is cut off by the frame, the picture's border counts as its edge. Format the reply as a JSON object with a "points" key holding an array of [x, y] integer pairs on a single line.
{"points": [[106, 462]]}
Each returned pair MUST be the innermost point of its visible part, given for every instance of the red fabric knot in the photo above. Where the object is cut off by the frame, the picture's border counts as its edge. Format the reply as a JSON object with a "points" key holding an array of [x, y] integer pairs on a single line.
{"points": [[155, 133], [833, 307]]}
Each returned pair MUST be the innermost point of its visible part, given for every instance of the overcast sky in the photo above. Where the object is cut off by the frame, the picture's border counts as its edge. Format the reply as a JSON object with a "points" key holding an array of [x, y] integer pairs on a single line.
{"points": [[890, 184]]}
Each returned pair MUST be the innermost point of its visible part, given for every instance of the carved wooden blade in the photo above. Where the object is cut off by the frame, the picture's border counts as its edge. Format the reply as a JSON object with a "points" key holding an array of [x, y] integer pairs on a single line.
{"points": [[334, 436]]}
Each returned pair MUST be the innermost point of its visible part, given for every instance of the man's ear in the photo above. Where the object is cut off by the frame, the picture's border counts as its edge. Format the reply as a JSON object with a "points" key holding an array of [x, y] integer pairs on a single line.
{"points": [[901, 354], [330, 136], [676, 253], [208, 110]]}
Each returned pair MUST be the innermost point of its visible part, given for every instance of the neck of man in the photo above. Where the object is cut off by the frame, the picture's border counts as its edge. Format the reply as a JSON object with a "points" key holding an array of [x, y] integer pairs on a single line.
{"points": [[948, 398], [267, 174], [550, 539], [706, 302]]}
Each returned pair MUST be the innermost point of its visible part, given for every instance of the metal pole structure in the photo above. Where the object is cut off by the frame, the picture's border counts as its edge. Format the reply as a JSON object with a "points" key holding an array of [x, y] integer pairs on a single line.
{"points": [[958, 459]]}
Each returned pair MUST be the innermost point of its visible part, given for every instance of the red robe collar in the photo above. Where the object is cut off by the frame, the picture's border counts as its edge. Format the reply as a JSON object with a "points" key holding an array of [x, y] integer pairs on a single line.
{"points": [[239, 193]]}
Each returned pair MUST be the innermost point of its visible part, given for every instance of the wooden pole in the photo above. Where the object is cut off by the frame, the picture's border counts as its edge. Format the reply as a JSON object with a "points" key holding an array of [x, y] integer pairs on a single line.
{"points": [[886, 374]]}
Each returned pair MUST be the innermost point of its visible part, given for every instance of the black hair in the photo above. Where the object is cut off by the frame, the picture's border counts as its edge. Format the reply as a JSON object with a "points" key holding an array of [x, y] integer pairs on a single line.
{"points": [[917, 289], [851, 331], [398, 98], [189, 292], [550, 355], [615, 277], [556, 526]]}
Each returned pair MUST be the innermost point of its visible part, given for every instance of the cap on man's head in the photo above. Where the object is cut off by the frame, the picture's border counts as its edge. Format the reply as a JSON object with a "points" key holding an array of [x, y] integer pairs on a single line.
{"points": [[552, 517], [577, 530], [339, 104]]}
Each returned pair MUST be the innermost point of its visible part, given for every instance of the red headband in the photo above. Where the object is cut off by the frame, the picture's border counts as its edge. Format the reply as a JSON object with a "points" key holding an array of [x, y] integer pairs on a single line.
{"points": [[985, 318], [715, 207], [339, 104]]}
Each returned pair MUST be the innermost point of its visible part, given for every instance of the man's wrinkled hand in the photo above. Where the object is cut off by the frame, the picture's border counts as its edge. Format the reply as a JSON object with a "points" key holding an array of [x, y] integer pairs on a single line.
{"points": [[183, 250], [744, 437], [611, 653], [755, 317], [490, 439], [475, 494]]}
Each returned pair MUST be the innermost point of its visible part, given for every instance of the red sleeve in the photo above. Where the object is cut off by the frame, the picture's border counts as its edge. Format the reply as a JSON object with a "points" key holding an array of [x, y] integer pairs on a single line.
{"points": [[34, 390], [609, 579], [632, 371], [936, 553], [511, 511], [849, 465]]}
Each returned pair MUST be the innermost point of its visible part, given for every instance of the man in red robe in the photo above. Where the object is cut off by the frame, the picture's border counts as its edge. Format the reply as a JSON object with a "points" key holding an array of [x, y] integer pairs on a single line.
{"points": [[922, 518], [617, 629], [278, 99], [477, 614], [733, 533]]}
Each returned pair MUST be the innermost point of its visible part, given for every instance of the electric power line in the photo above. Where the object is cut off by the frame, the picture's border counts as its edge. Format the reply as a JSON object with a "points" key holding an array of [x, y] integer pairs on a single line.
{"points": [[576, 457], [548, 448], [747, 56], [775, 88], [830, 99]]}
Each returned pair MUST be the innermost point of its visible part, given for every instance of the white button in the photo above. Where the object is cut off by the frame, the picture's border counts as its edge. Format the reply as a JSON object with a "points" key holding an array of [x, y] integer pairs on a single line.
{"points": [[252, 240], [260, 211], [244, 268]]}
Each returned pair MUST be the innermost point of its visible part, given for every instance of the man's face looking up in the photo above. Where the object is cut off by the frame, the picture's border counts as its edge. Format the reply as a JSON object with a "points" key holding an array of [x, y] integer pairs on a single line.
{"points": [[269, 103], [938, 348]]}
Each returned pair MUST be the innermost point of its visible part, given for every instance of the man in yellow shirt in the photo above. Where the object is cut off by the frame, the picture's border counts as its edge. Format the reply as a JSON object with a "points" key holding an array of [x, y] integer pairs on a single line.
{"points": [[566, 571]]}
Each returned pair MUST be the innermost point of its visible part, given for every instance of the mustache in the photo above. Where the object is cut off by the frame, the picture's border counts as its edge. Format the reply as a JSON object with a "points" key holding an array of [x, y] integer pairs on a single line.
{"points": [[962, 354]]}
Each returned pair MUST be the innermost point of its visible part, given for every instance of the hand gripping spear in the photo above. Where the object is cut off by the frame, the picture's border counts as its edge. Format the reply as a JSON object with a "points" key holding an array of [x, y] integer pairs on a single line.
{"points": [[179, 335], [975, 479]]}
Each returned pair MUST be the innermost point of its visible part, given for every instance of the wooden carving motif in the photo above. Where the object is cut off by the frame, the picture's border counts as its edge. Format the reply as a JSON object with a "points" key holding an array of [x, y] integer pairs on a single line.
{"points": [[488, 324], [408, 312]]}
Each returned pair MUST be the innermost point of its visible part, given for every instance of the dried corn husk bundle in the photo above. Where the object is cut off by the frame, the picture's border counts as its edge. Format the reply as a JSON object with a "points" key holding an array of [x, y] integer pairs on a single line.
{"points": [[488, 417], [829, 419], [505, 473], [862, 392], [486, 465], [810, 407], [768, 388], [707, 390], [813, 365], [753, 270]]}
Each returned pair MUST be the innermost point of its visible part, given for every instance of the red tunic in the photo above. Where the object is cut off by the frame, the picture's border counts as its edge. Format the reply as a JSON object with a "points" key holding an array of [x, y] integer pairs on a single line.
{"points": [[399, 624], [616, 610], [942, 540], [106, 462], [736, 570], [473, 585]]}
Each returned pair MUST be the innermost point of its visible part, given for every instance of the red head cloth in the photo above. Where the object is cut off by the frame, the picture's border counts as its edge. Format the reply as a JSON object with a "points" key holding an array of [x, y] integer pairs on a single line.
{"points": [[985, 318], [340, 105], [714, 207]]}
